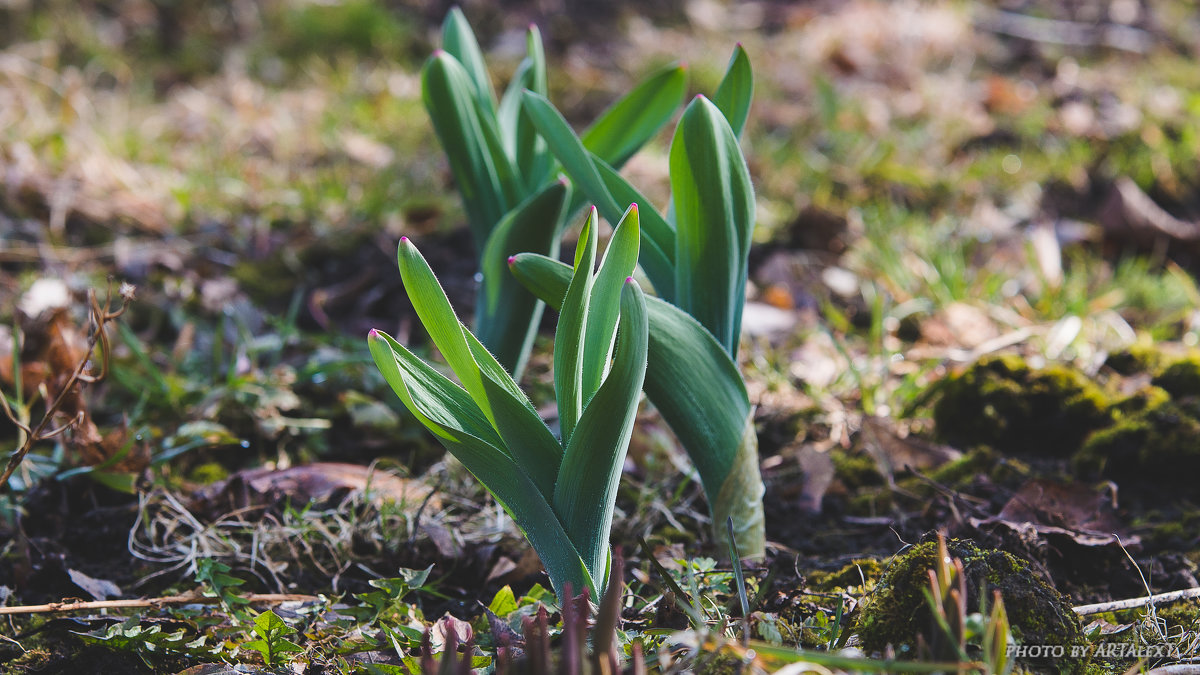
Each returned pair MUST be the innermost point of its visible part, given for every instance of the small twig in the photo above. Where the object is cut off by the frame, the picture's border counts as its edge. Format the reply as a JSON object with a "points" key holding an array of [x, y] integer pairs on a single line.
{"points": [[1072, 33], [1133, 603], [100, 318], [142, 603], [1177, 669]]}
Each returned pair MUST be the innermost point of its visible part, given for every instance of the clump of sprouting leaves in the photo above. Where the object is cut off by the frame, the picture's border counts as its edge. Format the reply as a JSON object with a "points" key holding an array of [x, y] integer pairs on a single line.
{"points": [[561, 491]]}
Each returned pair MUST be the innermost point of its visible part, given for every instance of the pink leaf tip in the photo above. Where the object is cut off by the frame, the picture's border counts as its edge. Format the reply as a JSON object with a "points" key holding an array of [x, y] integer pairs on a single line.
{"points": [[373, 334], [512, 259], [562, 180], [403, 239], [629, 280]]}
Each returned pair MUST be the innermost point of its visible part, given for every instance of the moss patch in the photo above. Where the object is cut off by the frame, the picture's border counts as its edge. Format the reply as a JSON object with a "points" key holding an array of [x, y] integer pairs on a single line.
{"points": [[852, 574], [1000, 401], [1157, 443], [1180, 378], [897, 611]]}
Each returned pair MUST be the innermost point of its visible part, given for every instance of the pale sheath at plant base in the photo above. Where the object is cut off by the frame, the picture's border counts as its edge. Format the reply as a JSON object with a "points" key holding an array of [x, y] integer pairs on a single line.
{"points": [[696, 257], [561, 493]]}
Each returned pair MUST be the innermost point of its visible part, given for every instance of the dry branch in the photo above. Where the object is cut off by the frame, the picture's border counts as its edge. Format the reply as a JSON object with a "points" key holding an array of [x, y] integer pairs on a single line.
{"points": [[142, 603]]}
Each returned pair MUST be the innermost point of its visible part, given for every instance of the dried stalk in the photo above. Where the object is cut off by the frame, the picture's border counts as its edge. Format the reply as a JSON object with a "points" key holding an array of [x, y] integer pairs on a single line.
{"points": [[101, 315], [142, 603]]}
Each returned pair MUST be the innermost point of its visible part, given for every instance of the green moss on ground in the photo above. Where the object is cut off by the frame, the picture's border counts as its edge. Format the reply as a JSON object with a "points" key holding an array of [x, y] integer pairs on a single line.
{"points": [[852, 574], [1002, 402], [897, 612], [1140, 357], [1157, 443], [1180, 378], [855, 469]]}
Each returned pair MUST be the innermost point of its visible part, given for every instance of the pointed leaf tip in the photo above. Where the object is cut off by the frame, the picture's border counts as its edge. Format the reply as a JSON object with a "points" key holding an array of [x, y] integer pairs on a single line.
{"points": [[512, 259], [403, 239], [629, 280], [374, 333]]}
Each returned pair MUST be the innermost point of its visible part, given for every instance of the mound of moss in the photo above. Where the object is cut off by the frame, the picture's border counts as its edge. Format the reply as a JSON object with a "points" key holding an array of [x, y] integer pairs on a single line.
{"points": [[1156, 444], [1003, 403], [1180, 378], [1140, 357], [897, 611]]}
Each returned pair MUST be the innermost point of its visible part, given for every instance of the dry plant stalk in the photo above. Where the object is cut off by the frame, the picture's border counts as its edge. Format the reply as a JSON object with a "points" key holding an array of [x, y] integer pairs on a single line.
{"points": [[100, 316]]}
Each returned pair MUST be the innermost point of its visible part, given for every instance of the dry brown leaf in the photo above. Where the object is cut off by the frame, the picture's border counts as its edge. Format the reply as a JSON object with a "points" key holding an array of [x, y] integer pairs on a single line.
{"points": [[319, 482], [893, 449], [1071, 511]]}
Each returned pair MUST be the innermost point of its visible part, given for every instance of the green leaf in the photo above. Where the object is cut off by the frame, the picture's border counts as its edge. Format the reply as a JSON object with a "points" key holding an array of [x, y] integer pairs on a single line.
{"points": [[529, 440], [697, 389], [714, 219], [574, 157], [736, 91], [459, 41], [491, 465], [620, 259], [436, 314], [272, 642], [611, 193], [504, 602], [449, 98], [545, 277], [657, 255], [507, 315], [569, 338], [634, 119], [443, 404], [587, 483], [527, 148]]}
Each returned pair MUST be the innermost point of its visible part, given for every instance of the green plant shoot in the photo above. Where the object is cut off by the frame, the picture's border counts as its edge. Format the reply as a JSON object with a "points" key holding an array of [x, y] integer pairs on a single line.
{"points": [[560, 492], [696, 258], [506, 174]]}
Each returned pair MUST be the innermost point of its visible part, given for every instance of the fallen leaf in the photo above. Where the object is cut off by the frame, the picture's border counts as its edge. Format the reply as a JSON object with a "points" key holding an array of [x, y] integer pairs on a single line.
{"points": [[893, 449], [446, 625], [1065, 511], [99, 589], [320, 482]]}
